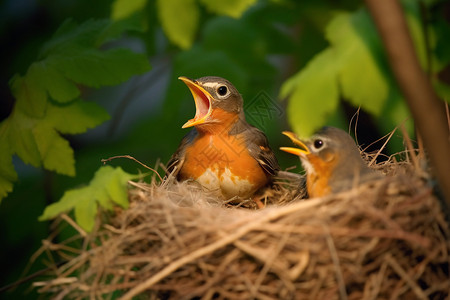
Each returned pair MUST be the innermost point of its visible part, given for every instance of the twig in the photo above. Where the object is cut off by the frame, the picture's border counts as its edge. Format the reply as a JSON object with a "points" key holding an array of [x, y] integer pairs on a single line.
{"points": [[29, 277], [269, 262], [80, 230], [355, 115], [399, 270], [374, 159], [410, 149], [105, 160], [337, 266]]}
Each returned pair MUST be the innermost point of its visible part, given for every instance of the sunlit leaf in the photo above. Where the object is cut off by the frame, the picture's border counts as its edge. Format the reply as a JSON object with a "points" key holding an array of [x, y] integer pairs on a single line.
{"points": [[232, 8], [7, 173], [122, 9], [66, 203], [362, 81], [313, 94], [30, 96], [179, 20], [108, 186], [85, 211], [55, 152], [21, 139]]}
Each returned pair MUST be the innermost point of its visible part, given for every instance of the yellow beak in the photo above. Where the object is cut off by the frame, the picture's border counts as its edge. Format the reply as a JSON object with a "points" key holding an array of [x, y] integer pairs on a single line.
{"points": [[302, 151], [203, 102]]}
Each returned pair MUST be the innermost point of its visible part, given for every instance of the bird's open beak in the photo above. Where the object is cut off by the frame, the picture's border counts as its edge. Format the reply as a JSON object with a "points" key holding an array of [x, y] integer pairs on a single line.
{"points": [[203, 101], [302, 151]]}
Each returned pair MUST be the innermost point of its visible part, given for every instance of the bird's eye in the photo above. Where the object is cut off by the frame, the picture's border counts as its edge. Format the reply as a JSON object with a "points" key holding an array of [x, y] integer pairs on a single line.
{"points": [[318, 144], [222, 90]]}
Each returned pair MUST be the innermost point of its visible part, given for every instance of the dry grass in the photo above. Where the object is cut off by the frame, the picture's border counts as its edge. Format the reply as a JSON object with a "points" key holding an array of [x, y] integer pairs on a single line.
{"points": [[384, 240]]}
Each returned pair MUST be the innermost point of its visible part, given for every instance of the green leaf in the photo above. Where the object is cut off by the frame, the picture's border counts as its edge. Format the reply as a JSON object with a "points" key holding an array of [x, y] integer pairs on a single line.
{"points": [[95, 68], [313, 94], [179, 20], [37, 141], [121, 9], [85, 213], [7, 173], [231, 8], [66, 203], [88, 34], [58, 87], [115, 29], [363, 83], [108, 185], [21, 139], [71, 57], [56, 153], [117, 189], [77, 117], [31, 97]]}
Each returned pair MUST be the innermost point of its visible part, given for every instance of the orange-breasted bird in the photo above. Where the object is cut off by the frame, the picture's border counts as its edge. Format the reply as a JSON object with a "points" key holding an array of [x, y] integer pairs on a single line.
{"points": [[332, 161], [222, 152]]}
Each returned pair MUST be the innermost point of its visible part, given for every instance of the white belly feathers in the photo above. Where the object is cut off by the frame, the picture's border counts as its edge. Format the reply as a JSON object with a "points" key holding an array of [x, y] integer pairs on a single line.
{"points": [[224, 182]]}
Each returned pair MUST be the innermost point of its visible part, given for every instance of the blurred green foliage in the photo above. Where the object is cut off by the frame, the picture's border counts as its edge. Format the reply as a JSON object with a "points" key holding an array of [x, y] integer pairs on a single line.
{"points": [[354, 67], [324, 56]]}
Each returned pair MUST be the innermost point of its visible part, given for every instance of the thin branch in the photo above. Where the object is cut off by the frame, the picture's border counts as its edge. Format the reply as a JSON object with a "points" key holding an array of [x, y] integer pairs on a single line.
{"points": [[105, 160], [404, 275], [337, 266]]}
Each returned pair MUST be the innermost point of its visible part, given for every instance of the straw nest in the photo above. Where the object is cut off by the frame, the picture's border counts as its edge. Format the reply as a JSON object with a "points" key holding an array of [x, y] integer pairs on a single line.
{"points": [[383, 240]]}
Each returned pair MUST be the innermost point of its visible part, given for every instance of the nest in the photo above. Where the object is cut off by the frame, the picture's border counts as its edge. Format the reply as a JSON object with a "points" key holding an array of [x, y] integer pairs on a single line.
{"points": [[383, 240]]}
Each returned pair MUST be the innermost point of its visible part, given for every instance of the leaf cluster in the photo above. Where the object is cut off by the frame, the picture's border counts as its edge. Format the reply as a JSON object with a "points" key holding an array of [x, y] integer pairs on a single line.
{"points": [[48, 96]]}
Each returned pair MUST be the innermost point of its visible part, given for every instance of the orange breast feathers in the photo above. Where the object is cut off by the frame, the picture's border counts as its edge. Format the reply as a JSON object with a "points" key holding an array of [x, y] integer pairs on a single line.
{"points": [[219, 153], [318, 180]]}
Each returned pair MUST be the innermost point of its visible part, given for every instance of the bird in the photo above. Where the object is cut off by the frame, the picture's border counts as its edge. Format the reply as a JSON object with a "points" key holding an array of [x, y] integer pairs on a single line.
{"points": [[222, 152], [332, 161]]}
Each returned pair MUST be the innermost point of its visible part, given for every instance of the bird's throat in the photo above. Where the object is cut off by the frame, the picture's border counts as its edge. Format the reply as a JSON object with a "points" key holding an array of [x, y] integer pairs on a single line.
{"points": [[220, 122]]}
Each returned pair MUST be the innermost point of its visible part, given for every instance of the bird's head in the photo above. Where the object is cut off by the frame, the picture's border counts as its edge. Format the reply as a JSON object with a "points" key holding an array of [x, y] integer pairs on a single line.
{"points": [[216, 100]]}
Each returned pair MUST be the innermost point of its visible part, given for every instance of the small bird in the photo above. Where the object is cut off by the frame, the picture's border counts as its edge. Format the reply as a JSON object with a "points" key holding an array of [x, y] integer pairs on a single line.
{"points": [[222, 152], [332, 161]]}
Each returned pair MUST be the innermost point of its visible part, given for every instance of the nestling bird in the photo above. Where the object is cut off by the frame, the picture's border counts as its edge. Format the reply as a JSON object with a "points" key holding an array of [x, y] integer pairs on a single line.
{"points": [[332, 161], [222, 152]]}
